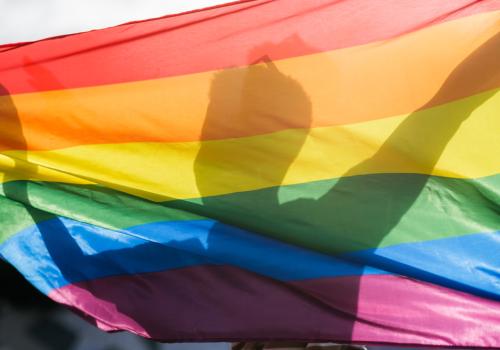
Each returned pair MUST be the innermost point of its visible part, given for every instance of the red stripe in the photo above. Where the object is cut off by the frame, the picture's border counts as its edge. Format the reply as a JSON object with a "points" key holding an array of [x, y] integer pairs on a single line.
{"points": [[225, 36], [225, 303]]}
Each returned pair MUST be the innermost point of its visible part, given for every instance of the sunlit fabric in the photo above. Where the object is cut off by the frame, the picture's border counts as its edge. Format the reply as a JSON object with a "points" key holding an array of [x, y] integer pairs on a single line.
{"points": [[316, 171]]}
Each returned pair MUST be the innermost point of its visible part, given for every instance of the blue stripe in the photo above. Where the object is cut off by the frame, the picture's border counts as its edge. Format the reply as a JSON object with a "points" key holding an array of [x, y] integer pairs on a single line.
{"points": [[470, 263], [61, 251]]}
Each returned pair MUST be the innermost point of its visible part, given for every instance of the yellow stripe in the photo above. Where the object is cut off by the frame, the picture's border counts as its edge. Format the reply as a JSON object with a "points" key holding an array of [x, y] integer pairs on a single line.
{"points": [[415, 143], [340, 87]]}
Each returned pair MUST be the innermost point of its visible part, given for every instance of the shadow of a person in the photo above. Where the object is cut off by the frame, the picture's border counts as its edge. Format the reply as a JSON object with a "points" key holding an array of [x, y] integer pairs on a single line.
{"points": [[246, 99], [350, 216]]}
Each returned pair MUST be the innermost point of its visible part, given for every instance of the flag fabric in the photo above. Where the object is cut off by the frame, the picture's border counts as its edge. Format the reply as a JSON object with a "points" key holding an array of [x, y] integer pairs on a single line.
{"points": [[263, 170]]}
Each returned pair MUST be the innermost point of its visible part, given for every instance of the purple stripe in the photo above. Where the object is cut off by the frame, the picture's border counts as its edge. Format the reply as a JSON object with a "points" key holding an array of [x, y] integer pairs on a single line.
{"points": [[226, 303]]}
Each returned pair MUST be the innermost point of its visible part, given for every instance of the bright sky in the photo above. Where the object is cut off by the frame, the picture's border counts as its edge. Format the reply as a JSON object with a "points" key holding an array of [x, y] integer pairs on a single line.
{"points": [[27, 20]]}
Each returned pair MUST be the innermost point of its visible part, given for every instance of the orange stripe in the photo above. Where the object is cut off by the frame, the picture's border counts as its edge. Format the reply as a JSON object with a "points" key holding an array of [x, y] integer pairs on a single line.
{"points": [[436, 141], [339, 87]]}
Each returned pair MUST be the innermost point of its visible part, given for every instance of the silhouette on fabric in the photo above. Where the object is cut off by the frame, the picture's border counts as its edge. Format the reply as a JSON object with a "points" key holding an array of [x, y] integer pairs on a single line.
{"points": [[256, 98]]}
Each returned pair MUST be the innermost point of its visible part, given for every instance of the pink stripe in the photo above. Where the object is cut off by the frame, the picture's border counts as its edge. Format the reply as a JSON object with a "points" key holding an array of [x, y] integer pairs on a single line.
{"points": [[211, 303]]}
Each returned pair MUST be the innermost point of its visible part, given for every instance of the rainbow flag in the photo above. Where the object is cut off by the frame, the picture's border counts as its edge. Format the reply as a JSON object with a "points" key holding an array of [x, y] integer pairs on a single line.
{"points": [[263, 170]]}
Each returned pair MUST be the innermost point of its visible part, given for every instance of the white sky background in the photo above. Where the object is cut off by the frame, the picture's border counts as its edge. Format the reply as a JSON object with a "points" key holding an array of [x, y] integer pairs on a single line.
{"points": [[28, 20]]}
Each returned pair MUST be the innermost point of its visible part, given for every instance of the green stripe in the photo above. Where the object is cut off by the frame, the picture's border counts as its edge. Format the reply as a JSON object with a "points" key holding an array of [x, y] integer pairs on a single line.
{"points": [[361, 212], [91, 204], [331, 216], [14, 217]]}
